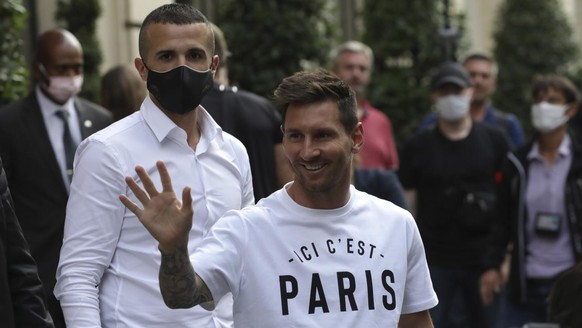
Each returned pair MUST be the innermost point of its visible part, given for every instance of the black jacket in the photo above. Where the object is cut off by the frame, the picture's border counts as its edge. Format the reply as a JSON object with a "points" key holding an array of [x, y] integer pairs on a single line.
{"points": [[22, 301], [510, 223], [254, 121]]}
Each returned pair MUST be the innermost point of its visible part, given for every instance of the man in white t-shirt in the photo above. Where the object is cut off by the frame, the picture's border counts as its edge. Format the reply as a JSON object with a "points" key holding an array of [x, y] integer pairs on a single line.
{"points": [[318, 252]]}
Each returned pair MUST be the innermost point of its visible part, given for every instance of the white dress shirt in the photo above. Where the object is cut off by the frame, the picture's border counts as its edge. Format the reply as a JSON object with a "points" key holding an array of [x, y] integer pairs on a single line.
{"points": [[108, 269], [55, 127]]}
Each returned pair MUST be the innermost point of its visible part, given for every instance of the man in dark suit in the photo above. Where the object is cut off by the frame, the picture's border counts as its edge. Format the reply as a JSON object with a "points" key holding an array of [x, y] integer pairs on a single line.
{"points": [[38, 136], [253, 120]]}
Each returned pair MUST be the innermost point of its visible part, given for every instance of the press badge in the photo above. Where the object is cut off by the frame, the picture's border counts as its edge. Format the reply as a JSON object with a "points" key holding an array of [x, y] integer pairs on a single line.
{"points": [[548, 224]]}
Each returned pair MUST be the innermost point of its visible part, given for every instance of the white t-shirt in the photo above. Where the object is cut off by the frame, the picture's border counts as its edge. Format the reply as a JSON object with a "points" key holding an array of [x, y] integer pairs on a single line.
{"points": [[361, 265], [108, 269]]}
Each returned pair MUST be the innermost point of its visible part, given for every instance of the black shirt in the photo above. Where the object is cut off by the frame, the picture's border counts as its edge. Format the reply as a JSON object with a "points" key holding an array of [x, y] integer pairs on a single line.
{"points": [[455, 187], [254, 121]]}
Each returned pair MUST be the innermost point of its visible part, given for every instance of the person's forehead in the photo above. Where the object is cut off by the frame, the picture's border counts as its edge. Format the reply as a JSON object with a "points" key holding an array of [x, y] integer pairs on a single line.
{"points": [[353, 57], [550, 92], [478, 65], [321, 113], [64, 53], [186, 35]]}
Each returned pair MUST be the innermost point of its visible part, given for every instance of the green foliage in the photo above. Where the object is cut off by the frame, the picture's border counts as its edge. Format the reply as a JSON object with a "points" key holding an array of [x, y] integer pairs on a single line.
{"points": [[404, 36], [271, 39], [13, 71], [532, 37], [80, 18]]}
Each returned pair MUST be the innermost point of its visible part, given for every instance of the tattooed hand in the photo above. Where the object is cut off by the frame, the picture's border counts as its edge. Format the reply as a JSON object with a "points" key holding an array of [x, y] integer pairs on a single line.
{"points": [[166, 218], [169, 222]]}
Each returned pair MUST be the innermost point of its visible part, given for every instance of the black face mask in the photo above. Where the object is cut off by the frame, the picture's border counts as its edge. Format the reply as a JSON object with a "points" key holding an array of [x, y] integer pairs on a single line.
{"points": [[181, 89]]}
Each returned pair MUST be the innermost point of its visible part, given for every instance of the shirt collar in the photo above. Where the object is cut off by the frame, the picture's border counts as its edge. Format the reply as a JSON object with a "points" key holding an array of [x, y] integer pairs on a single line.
{"points": [[563, 149], [162, 125], [48, 107], [489, 116]]}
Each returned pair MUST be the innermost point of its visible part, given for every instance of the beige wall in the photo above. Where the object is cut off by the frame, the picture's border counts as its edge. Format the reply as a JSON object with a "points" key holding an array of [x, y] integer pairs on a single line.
{"points": [[118, 29], [480, 19], [113, 34], [46, 10], [119, 39], [576, 16]]}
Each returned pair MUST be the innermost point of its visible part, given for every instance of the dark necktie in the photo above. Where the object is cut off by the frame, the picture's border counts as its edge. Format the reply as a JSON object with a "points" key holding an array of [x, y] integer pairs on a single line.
{"points": [[68, 142]]}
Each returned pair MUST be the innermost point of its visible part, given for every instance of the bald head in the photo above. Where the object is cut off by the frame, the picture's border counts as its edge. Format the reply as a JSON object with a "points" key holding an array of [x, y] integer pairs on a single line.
{"points": [[58, 53], [52, 42]]}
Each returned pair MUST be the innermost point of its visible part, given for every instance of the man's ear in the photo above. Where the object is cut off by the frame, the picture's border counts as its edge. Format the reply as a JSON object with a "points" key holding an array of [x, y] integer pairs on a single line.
{"points": [[358, 138], [214, 64], [141, 69]]}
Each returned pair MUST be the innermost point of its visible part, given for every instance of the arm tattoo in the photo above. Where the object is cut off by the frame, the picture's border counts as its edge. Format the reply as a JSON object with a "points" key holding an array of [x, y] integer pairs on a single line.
{"points": [[180, 285]]}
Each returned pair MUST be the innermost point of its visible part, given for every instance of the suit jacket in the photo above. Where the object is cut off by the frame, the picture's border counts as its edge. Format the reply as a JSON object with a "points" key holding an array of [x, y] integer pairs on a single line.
{"points": [[35, 180]]}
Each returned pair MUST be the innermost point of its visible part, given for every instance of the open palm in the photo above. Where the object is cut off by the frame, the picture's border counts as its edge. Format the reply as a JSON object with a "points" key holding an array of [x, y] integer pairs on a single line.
{"points": [[166, 218]]}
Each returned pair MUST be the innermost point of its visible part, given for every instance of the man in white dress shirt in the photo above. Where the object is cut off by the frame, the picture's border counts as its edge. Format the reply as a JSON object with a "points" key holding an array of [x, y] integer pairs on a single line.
{"points": [[108, 270]]}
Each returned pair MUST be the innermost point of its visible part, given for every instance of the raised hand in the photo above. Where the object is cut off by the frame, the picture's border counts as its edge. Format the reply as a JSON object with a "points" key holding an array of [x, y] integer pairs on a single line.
{"points": [[166, 218]]}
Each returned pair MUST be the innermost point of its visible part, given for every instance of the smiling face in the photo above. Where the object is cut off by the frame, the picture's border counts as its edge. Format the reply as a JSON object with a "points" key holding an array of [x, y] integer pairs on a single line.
{"points": [[320, 151]]}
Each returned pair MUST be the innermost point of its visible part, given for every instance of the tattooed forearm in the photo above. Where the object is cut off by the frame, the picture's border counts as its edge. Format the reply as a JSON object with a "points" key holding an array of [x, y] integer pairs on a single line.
{"points": [[179, 284]]}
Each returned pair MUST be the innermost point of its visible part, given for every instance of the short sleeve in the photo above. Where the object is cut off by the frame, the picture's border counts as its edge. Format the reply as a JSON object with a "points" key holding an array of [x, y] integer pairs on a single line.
{"points": [[218, 260]]}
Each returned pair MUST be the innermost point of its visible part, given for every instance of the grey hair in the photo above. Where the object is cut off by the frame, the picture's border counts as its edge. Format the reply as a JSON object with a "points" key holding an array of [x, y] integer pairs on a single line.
{"points": [[350, 46]]}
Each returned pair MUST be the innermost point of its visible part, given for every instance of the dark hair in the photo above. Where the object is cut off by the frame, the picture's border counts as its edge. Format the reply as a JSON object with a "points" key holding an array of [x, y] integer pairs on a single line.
{"points": [[173, 13], [122, 91], [482, 57], [353, 47], [560, 83], [478, 56], [318, 86], [220, 46]]}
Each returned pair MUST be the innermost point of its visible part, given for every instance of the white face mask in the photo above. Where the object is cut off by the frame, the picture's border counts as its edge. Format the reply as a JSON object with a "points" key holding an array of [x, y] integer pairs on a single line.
{"points": [[453, 107], [547, 117], [61, 88]]}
